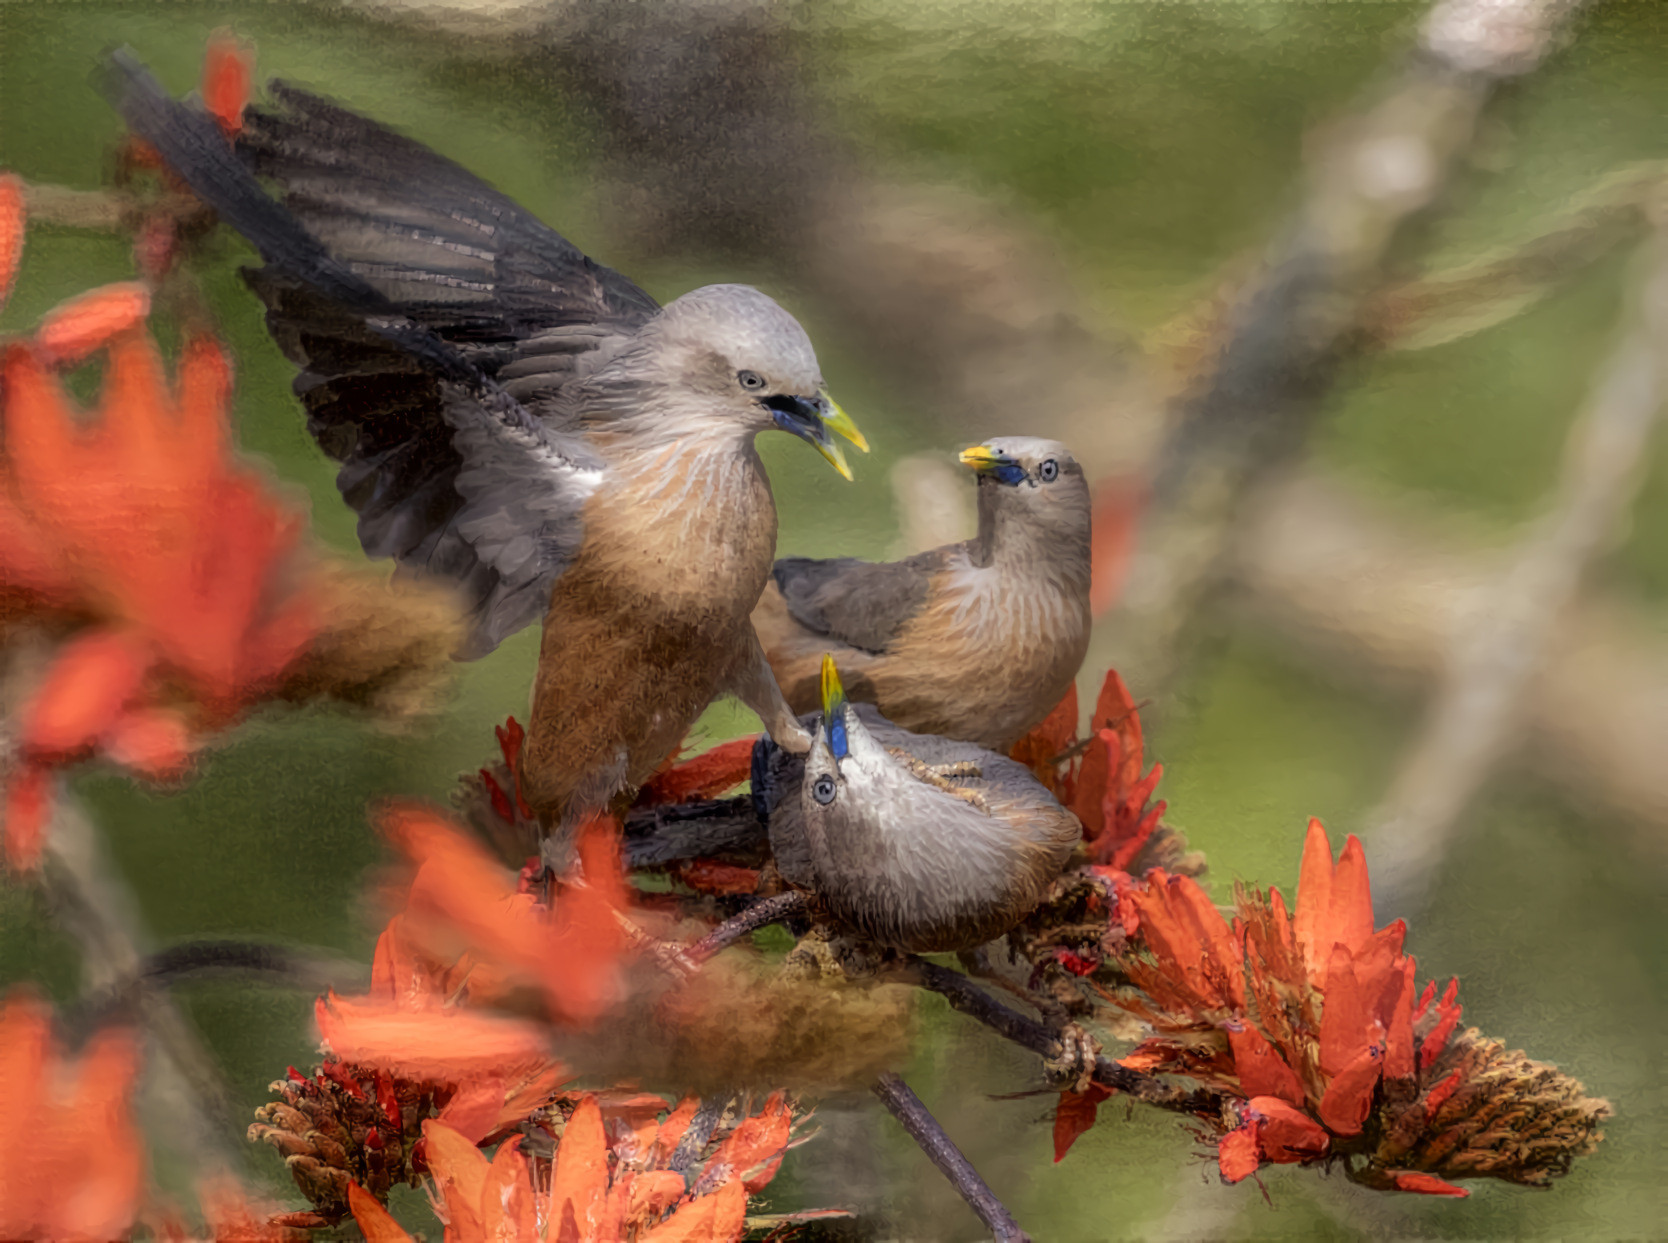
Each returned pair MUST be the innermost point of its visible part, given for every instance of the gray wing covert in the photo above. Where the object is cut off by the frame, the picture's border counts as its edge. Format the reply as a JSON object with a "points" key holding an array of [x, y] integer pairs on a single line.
{"points": [[433, 321], [863, 604]]}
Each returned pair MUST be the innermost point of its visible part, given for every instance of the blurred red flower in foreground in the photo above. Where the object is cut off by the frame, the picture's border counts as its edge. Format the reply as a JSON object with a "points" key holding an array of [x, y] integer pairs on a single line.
{"points": [[167, 573], [1310, 1025], [73, 1164], [608, 1185]]}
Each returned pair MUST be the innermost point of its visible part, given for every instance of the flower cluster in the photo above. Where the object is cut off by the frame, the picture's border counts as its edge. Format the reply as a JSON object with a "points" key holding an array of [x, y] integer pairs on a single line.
{"points": [[70, 1151], [1311, 1028], [167, 585], [619, 1176]]}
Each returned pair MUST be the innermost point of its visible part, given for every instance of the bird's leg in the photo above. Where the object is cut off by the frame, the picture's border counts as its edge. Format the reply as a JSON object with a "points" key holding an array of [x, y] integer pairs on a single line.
{"points": [[755, 685], [976, 962], [944, 776]]}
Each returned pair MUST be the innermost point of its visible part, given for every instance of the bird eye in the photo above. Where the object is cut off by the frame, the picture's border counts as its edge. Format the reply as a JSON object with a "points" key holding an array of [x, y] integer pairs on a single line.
{"points": [[1049, 471], [752, 381], [823, 789]]}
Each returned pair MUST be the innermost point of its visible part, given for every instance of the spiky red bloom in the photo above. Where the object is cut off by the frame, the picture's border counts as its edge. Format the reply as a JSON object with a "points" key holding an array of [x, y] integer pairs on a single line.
{"points": [[1309, 1024]]}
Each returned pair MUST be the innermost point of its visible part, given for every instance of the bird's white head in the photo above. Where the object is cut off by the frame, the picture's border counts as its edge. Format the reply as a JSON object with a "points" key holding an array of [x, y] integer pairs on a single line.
{"points": [[750, 363]]}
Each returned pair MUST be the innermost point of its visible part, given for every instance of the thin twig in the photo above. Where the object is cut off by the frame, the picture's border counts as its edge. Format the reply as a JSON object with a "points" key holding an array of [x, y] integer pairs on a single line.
{"points": [[925, 1130], [1286, 336], [967, 997], [768, 911], [694, 1140], [1477, 714], [182, 1082]]}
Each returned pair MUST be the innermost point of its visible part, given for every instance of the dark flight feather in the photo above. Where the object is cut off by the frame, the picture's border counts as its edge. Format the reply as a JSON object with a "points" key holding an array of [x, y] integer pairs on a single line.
{"points": [[433, 321]]}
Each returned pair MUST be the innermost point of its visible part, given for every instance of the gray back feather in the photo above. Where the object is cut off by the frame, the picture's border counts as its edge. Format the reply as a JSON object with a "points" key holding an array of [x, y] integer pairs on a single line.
{"points": [[862, 604]]}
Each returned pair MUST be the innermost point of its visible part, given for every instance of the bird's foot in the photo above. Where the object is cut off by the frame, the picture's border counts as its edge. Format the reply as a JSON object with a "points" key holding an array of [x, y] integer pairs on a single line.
{"points": [[944, 776], [1072, 1068], [829, 955]]}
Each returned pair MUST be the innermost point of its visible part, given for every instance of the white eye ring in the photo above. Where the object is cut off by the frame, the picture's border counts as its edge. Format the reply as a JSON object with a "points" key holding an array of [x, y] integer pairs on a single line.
{"points": [[823, 789], [1049, 471], [750, 380]]}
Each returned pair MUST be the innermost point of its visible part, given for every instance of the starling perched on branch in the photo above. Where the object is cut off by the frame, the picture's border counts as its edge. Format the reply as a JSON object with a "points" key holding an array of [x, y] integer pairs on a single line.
{"points": [[519, 420], [916, 842], [976, 640]]}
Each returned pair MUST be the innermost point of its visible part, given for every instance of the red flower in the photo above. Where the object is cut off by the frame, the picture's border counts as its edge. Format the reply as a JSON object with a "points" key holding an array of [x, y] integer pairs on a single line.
{"points": [[73, 1166], [609, 1183], [715, 771], [569, 949], [1311, 1022], [1106, 788], [137, 518]]}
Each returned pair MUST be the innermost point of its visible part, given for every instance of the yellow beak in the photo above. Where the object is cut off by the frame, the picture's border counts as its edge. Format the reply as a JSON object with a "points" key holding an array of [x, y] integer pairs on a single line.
{"points": [[837, 420], [981, 457], [833, 694]]}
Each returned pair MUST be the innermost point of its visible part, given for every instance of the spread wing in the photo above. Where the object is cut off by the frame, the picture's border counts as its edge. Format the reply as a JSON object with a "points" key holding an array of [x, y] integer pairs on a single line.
{"points": [[862, 604], [433, 322]]}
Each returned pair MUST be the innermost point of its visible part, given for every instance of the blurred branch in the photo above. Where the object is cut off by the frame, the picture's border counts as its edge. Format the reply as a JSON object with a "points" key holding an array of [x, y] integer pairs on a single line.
{"points": [[1377, 595], [913, 1115], [1369, 178], [1477, 713], [182, 1082], [1028, 1033], [103, 210]]}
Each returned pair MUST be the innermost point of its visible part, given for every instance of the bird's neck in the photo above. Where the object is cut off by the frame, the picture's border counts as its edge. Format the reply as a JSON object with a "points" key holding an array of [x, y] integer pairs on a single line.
{"points": [[1019, 547]]}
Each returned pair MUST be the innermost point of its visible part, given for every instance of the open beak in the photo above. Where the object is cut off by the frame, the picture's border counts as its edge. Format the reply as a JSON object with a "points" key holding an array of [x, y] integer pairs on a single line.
{"points": [[814, 420], [834, 708], [997, 465]]}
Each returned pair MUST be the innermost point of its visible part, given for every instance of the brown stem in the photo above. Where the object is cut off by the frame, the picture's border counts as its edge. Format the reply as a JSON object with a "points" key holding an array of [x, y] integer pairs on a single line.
{"points": [[967, 997], [941, 1150], [769, 911]]}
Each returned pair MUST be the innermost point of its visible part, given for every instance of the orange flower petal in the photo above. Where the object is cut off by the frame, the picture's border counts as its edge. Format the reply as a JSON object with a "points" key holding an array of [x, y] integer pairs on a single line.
{"points": [[75, 328], [1038, 749], [716, 1218], [1236, 1153], [1349, 919], [228, 67], [473, 1110], [1314, 901], [509, 1205], [28, 801], [1074, 1115], [671, 1130], [1285, 1134], [153, 742], [715, 771], [93, 678], [579, 1187], [1349, 1097], [376, 1223], [1426, 1184], [652, 1193], [459, 1168], [1262, 1071], [753, 1151], [12, 218], [448, 1045]]}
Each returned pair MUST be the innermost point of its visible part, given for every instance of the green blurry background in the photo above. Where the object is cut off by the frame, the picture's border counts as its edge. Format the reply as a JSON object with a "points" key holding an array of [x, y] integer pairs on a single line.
{"points": [[1152, 143]]}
